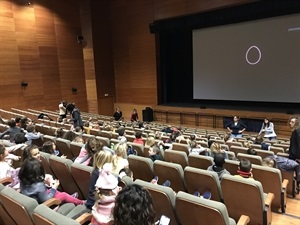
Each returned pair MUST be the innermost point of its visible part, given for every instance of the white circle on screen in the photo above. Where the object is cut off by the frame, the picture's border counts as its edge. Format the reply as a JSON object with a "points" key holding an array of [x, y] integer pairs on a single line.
{"points": [[250, 61]]}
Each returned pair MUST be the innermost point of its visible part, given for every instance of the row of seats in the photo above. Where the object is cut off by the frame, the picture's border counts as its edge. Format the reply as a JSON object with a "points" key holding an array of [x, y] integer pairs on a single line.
{"points": [[72, 149], [192, 178], [185, 209], [73, 176], [17, 209]]}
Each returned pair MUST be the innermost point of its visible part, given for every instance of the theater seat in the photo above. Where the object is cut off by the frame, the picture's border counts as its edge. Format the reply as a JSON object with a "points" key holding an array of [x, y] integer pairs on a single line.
{"points": [[170, 171], [62, 170], [254, 159], [194, 210], [42, 215], [200, 161], [271, 181], [82, 176], [141, 167], [176, 157], [163, 200], [244, 196], [203, 180], [5, 218]]}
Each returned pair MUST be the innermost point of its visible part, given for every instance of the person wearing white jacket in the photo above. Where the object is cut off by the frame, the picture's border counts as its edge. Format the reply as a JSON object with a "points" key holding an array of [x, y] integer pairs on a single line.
{"points": [[268, 129]]}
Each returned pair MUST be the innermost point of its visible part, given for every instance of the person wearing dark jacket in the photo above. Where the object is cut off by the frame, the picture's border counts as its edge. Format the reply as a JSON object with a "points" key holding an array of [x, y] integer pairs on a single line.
{"points": [[11, 131], [75, 115], [236, 127], [294, 149]]}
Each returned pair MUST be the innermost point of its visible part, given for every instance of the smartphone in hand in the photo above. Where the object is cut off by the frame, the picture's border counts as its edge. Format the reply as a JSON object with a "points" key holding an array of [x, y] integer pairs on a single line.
{"points": [[164, 220]]}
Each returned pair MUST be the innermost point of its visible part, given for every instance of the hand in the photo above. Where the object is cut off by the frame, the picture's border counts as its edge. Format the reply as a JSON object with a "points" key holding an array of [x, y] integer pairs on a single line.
{"points": [[17, 158], [55, 184], [240, 131], [63, 156]]}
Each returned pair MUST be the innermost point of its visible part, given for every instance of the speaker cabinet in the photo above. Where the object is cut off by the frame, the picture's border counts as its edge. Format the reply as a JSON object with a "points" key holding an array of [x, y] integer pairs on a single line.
{"points": [[148, 115]]}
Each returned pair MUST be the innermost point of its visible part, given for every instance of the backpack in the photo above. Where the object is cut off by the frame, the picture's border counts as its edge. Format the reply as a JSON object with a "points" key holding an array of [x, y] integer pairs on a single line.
{"points": [[131, 151]]}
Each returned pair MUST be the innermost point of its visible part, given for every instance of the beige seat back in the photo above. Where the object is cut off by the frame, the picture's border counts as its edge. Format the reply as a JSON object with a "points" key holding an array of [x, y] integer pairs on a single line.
{"points": [[75, 148], [42, 215], [4, 215], [271, 180], [263, 153], [20, 207], [82, 175], [181, 147], [254, 159], [244, 196], [237, 149], [194, 210], [45, 162], [104, 140], [62, 170], [138, 147], [63, 146], [203, 180], [170, 171], [163, 200], [176, 157], [200, 161], [141, 167]]}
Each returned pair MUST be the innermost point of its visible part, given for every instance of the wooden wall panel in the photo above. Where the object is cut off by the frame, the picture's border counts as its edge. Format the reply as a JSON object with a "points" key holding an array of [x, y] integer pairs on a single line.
{"points": [[134, 52], [38, 45]]}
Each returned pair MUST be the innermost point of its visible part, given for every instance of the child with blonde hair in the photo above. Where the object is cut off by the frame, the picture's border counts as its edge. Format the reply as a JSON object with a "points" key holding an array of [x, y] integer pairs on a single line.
{"points": [[119, 159], [106, 191], [150, 142], [100, 158], [216, 148]]}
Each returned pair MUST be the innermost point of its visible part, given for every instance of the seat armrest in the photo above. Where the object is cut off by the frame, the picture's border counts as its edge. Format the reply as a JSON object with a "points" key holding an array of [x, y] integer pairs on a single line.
{"points": [[243, 220], [6, 180], [269, 199], [284, 184], [85, 217], [51, 202]]}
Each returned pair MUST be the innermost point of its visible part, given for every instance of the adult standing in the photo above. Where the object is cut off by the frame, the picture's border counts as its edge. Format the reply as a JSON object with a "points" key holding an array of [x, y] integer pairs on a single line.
{"points": [[62, 111], [134, 116], [268, 129], [75, 115], [236, 127], [294, 149], [118, 114]]}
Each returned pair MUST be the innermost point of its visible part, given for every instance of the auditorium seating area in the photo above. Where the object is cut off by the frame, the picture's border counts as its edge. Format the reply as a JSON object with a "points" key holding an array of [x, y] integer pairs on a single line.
{"points": [[233, 201]]}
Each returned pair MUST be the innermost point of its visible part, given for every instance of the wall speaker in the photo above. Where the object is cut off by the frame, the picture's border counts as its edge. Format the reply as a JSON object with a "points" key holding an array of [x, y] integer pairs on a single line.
{"points": [[24, 84], [79, 39], [74, 89]]}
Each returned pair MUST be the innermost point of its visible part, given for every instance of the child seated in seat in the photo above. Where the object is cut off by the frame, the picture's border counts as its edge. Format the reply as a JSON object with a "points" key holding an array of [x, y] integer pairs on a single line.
{"points": [[106, 191], [260, 141], [6, 171], [197, 149], [33, 184], [216, 148], [31, 134], [245, 169], [218, 167], [155, 153], [284, 164]]}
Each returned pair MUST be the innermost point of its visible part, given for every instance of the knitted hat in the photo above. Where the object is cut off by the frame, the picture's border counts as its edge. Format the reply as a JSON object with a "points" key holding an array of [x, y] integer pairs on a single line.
{"points": [[106, 179]]}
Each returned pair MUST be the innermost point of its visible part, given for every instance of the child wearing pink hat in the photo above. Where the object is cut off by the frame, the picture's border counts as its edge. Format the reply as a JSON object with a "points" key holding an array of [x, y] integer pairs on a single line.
{"points": [[106, 191]]}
